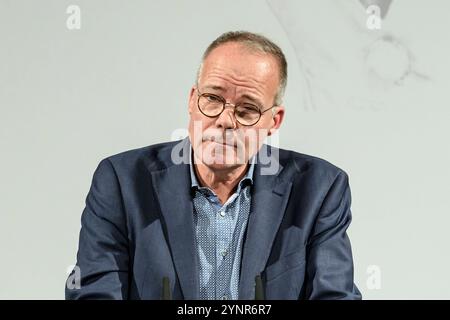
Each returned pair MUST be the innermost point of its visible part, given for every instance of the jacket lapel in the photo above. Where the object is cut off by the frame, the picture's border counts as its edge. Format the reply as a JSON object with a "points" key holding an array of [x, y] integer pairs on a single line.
{"points": [[269, 199], [171, 187]]}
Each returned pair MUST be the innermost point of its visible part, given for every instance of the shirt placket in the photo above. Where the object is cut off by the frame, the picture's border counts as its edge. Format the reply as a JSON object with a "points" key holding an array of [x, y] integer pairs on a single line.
{"points": [[222, 254]]}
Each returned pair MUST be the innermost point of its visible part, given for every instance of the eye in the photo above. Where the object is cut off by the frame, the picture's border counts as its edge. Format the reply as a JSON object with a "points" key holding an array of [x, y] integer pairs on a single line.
{"points": [[212, 98], [248, 108], [247, 112]]}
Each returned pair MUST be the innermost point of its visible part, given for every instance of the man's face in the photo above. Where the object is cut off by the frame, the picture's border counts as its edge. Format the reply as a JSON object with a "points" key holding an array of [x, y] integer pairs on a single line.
{"points": [[239, 76]]}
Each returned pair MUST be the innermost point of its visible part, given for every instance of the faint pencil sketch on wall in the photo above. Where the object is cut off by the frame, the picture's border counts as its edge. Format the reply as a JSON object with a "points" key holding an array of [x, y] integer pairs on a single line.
{"points": [[345, 64]]}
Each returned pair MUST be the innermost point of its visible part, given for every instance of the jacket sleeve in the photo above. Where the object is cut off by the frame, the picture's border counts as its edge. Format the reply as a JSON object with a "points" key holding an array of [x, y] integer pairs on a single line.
{"points": [[103, 256], [329, 273]]}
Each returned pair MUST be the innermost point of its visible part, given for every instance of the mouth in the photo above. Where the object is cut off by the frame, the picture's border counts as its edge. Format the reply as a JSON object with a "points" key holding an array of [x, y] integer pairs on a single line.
{"points": [[218, 141]]}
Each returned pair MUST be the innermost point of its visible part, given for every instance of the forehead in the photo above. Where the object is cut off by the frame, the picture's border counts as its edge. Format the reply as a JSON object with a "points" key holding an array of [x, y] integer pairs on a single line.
{"points": [[235, 64]]}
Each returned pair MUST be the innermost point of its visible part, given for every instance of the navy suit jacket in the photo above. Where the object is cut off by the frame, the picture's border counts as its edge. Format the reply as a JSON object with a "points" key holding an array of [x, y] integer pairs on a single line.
{"points": [[137, 227]]}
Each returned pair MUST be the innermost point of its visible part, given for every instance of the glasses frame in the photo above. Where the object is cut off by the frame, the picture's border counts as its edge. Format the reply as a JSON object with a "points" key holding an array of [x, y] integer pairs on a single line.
{"points": [[225, 103]]}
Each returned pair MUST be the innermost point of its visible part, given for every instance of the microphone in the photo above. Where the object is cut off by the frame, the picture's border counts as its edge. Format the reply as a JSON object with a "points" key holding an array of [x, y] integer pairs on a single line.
{"points": [[259, 290], [166, 289]]}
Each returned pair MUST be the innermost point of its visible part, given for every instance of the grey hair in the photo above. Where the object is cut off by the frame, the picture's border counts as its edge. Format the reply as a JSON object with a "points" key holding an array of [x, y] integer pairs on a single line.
{"points": [[254, 42]]}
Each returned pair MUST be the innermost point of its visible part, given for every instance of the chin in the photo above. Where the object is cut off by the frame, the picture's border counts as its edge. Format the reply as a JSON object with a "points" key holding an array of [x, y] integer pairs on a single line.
{"points": [[219, 156]]}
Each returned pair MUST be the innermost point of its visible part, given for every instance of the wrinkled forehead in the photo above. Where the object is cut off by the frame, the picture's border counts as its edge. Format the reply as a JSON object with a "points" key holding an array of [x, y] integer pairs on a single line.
{"points": [[237, 65]]}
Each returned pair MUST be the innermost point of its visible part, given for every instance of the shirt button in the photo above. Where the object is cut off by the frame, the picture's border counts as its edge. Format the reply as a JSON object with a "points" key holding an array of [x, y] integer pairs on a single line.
{"points": [[222, 213], [224, 253], [225, 297]]}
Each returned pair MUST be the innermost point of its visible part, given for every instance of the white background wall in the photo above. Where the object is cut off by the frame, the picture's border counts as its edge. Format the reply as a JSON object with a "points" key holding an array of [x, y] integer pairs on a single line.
{"points": [[378, 109]]}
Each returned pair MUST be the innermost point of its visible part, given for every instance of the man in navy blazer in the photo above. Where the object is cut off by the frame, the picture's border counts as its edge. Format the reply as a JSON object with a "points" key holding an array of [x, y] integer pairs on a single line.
{"points": [[211, 213]]}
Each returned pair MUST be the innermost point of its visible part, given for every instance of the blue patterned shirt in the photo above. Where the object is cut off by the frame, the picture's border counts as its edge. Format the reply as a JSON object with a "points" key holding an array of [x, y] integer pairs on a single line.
{"points": [[219, 231]]}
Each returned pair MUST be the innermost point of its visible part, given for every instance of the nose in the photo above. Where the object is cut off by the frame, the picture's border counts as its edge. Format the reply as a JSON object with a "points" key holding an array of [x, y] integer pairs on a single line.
{"points": [[226, 119]]}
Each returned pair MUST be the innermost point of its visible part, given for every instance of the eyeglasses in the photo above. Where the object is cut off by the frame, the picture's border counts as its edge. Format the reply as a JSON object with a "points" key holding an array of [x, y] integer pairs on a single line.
{"points": [[212, 106]]}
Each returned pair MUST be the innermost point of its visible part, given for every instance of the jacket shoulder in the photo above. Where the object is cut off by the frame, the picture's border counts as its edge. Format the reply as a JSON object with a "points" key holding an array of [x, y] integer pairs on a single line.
{"points": [[305, 163], [154, 157]]}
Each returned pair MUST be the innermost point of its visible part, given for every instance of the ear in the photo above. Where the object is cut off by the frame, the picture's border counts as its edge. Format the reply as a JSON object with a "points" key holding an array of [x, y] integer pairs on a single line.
{"points": [[192, 99], [277, 119]]}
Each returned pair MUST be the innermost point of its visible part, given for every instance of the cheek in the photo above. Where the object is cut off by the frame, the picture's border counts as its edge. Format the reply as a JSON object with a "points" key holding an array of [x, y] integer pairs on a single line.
{"points": [[253, 139], [260, 133], [198, 124]]}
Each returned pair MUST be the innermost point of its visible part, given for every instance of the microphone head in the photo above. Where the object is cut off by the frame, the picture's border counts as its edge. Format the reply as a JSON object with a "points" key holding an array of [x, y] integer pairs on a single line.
{"points": [[166, 295], [259, 290]]}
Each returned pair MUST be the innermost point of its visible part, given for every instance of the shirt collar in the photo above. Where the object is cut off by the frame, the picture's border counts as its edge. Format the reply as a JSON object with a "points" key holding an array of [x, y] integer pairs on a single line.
{"points": [[248, 176]]}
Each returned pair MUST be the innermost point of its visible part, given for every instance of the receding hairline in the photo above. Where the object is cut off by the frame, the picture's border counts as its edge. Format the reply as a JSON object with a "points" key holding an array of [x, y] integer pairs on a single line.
{"points": [[253, 43]]}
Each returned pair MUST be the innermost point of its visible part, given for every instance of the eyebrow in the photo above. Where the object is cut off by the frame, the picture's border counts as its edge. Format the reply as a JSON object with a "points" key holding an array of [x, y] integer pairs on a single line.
{"points": [[214, 87], [245, 96], [254, 100]]}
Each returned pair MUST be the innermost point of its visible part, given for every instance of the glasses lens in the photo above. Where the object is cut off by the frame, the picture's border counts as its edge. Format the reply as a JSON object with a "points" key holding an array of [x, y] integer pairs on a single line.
{"points": [[210, 105], [247, 114]]}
